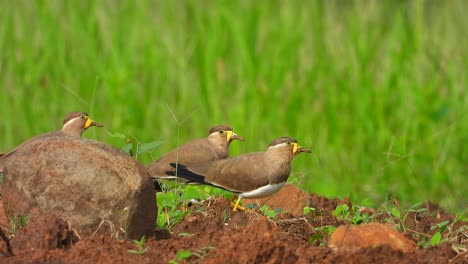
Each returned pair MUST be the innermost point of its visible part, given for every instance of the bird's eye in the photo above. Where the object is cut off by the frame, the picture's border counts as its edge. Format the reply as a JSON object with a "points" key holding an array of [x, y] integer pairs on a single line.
{"points": [[289, 142], [83, 117], [221, 131]]}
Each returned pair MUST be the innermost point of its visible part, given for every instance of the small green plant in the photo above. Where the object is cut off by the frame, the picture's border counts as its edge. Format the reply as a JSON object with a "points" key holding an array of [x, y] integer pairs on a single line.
{"points": [[135, 147], [19, 221], [322, 232], [225, 216], [353, 215], [341, 212], [311, 213], [307, 210], [181, 255], [437, 238], [399, 217], [270, 213], [170, 209], [187, 254], [140, 246], [174, 203], [446, 227]]}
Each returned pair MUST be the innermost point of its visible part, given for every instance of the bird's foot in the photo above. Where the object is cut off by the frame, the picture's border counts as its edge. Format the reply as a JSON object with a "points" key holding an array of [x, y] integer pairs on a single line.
{"points": [[237, 206]]}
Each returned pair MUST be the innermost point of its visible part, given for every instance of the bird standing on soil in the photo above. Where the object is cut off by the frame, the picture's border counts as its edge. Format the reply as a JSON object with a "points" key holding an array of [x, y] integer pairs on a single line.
{"points": [[213, 147], [252, 175], [74, 124]]}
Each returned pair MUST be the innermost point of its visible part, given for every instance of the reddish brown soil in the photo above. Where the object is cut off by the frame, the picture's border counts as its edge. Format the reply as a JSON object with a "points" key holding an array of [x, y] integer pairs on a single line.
{"points": [[215, 234]]}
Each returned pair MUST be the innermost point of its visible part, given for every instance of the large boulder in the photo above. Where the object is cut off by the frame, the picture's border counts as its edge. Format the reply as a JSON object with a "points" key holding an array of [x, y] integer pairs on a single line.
{"points": [[83, 181]]}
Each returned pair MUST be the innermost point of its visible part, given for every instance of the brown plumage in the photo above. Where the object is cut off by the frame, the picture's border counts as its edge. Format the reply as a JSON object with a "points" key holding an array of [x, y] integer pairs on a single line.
{"points": [[213, 147], [252, 175], [75, 123]]}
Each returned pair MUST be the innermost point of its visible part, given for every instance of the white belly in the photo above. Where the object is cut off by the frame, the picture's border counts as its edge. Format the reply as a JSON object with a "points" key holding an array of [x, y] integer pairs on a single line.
{"points": [[263, 191]]}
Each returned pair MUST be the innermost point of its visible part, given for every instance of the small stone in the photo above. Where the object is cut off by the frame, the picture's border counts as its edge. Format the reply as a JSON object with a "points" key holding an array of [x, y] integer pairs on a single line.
{"points": [[354, 237]]}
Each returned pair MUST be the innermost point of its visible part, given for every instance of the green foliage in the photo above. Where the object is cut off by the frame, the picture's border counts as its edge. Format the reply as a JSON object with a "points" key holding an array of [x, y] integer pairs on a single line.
{"points": [[170, 208], [321, 234], [175, 201], [311, 213], [445, 231], [354, 215], [140, 248], [146, 147], [187, 254], [436, 239], [270, 213], [18, 221], [376, 88], [225, 216], [307, 210], [398, 217], [341, 211], [181, 255], [135, 147]]}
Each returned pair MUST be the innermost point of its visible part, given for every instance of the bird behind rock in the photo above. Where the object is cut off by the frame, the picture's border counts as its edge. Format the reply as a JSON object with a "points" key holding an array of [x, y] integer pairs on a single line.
{"points": [[83, 181], [74, 124]]}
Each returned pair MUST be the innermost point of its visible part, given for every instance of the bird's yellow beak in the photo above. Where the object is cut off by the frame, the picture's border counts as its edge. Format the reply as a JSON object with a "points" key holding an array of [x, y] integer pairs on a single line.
{"points": [[298, 149], [89, 122], [230, 135]]}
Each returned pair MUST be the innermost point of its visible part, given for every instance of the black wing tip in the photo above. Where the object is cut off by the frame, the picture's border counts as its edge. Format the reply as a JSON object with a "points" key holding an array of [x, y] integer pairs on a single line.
{"points": [[177, 165], [178, 168], [170, 173], [181, 171], [173, 165]]}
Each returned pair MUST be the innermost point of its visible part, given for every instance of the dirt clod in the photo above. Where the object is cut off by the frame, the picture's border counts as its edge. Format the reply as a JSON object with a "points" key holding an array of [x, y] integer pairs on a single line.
{"points": [[352, 237]]}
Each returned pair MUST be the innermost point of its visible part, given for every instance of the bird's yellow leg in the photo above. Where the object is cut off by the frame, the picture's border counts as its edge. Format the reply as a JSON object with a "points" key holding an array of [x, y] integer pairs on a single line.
{"points": [[237, 206]]}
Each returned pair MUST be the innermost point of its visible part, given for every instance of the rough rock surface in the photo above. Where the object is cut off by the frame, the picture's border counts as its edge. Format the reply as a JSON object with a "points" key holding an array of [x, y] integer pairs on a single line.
{"points": [[82, 181]]}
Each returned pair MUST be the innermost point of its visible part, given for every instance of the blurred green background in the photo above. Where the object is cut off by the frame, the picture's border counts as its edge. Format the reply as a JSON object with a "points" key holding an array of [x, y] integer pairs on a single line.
{"points": [[376, 88]]}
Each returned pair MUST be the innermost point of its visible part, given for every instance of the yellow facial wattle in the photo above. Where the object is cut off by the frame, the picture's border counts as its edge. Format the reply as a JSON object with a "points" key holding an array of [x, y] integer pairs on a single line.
{"points": [[88, 122], [229, 135], [295, 147]]}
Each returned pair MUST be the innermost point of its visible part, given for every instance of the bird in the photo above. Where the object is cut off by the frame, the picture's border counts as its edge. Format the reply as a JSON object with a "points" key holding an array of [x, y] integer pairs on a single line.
{"points": [[251, 175], [213, 147], [74, 124]]}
